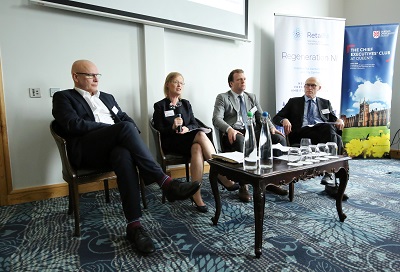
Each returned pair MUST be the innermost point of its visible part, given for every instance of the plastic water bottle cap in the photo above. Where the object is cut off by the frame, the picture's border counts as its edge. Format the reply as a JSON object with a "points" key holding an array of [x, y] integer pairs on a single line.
{"points": [[265, 114], [249, 114]]}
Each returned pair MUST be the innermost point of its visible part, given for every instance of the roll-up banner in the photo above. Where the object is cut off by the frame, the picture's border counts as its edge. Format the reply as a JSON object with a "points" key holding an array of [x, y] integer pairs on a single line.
{"points": [[368, 62], [306, 47]]}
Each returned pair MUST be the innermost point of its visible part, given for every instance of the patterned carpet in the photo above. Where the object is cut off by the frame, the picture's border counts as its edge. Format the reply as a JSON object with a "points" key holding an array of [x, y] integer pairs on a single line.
{"points": [[305, 235]]}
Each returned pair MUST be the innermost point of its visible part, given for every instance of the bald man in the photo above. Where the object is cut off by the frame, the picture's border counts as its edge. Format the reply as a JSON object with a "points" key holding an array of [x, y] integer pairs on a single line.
{"points": [[309, 116]]}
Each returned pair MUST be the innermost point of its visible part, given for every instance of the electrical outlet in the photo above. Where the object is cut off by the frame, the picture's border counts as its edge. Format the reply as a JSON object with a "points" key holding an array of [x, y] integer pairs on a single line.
{"points": [[34, 93], [54, 90]]}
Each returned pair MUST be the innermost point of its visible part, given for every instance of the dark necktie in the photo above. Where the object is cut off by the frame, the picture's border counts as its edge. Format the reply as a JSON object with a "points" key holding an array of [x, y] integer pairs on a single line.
{"points": [[243, 109], [310, 113]]}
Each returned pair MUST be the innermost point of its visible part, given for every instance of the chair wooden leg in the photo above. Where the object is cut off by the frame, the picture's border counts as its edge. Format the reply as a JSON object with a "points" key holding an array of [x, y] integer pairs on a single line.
{"points": [[187, 172], [75, 194], [164, 167], [106, 190], [70, 199]]}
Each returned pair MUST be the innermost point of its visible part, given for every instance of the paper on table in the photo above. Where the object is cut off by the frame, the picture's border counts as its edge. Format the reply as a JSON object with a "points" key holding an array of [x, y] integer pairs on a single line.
{"points": [[237, 157], [233, 157], [281, 147]]}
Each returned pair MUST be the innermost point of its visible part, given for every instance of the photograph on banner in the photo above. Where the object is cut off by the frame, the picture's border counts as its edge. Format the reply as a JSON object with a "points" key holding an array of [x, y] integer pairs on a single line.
{"points": [[308, 47], [368, 63]]}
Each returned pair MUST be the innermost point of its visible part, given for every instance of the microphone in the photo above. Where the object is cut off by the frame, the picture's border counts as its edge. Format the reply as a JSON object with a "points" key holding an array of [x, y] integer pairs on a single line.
{"points": [[179, 128]]}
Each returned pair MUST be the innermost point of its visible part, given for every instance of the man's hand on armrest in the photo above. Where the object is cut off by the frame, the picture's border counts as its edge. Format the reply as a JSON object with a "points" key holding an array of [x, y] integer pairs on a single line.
{"points": [[287, 126]]}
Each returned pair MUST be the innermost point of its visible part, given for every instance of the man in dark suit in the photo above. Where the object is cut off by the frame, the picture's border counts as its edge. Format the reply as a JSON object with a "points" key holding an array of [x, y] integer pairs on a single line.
{"points": [[227, 118], [99, 133], [311, 117]]}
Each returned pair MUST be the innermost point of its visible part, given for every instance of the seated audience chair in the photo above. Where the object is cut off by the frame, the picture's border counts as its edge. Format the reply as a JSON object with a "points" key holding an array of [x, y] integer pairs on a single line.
{"points": [[218, 135], [166, 160], [75, 177]]}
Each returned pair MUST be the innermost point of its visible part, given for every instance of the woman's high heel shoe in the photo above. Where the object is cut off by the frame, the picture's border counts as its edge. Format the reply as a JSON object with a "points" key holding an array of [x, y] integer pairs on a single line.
{"points": [[233, 187], [202, 209]]}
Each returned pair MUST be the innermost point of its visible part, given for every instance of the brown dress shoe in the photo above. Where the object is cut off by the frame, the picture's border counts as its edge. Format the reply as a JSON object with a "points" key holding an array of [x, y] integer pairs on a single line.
{"points": [[277, 190], [244, 194]]}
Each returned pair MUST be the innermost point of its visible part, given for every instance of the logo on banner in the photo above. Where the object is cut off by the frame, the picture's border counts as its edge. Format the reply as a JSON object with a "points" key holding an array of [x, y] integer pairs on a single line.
{"points": [[376, 34], [297, 34]]}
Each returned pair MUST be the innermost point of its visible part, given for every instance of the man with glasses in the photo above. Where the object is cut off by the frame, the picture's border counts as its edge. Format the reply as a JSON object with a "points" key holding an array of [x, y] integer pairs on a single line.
{"points": [[311, 117], [230, 110], [100, 134]]}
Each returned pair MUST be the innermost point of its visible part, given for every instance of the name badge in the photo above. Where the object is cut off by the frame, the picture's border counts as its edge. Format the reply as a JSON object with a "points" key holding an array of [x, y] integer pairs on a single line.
{"points": [[115, 110], [325, 111], [169, 113], [253, 110]]}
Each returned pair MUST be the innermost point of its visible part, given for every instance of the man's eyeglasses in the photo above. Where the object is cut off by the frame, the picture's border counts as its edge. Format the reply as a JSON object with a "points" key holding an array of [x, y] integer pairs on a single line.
{"points": [[310, 85], [89, 75], [176, 82]]}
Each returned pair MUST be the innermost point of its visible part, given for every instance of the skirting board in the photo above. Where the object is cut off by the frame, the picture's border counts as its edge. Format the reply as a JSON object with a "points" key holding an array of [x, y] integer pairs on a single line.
{"points": [[395, 154], [59, 190]]}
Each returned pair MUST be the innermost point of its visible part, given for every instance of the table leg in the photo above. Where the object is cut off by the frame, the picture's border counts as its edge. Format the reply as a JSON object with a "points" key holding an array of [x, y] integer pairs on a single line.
{"points": [[291, 190], [343, 176], [213, 176], [259, 209]]}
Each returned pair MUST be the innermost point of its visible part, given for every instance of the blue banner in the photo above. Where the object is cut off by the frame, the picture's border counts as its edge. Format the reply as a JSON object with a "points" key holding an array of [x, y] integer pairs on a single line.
{"points": [[368, 62]]}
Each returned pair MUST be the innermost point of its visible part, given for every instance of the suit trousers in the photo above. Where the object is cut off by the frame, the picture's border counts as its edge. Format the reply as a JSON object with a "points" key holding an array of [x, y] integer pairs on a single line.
{"points": [[121, 147]]}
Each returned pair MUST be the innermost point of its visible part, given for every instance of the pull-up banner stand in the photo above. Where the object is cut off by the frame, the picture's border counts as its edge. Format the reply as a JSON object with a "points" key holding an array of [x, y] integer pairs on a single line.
{"points": [[308, 47], [368, 62]]}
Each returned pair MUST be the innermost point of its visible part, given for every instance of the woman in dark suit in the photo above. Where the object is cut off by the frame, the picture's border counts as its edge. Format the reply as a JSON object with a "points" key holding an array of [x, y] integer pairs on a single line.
{"points": [[173, 117]]}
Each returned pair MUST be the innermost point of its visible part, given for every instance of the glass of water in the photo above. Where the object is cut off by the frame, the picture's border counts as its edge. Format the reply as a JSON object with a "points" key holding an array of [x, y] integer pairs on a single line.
{"points": [[294, 156], [306, 156], [314, 153], [332, 149], [322, 150], [305, 142]]}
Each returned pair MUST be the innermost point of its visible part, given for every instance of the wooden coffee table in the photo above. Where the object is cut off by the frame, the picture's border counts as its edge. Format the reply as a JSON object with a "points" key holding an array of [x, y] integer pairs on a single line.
{"points": [[280, 174]]}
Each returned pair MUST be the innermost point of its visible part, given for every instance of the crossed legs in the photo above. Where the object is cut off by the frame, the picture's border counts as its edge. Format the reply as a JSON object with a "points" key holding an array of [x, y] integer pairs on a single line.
{"points": [[201, 150]]}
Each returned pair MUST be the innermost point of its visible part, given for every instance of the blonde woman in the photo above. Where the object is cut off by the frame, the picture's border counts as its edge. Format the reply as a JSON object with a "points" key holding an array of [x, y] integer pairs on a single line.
{"points": [[174, 118]]}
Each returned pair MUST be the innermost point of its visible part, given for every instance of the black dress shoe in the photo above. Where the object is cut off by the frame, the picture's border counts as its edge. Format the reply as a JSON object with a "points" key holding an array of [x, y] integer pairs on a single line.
{"points": [[332, 191], [327, 180], [181, 190], [141, 240], [244, 194], [277, 190], [233, 187], [202, 209]]}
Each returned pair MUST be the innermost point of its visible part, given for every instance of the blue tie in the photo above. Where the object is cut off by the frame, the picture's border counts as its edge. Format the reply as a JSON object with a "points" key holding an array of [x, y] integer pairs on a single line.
{"points": [[243, 110], [310, 113]]}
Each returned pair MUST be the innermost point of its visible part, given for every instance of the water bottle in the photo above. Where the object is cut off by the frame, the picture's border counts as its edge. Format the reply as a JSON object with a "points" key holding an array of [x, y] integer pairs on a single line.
{"points": [[250, 145], [265, 144]]}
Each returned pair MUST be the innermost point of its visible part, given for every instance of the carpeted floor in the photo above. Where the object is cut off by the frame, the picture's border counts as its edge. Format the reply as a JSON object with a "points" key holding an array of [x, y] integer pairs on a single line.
{"points": [[303, 235]]}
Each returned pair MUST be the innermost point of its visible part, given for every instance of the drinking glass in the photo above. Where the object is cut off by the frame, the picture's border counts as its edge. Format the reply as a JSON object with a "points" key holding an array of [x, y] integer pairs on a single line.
{"points": [[294, 156], [322, 151], [314, 153], [306, 157], [332, 149], [305, 142]]}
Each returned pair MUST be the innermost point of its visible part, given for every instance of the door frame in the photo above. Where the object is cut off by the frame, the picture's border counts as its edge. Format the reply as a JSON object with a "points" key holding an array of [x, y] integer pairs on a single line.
{"points": [[5, 166]]}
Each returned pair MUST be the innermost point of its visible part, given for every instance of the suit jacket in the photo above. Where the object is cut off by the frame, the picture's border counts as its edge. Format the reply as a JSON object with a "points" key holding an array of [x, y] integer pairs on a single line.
{"points": [[75, 118], [164, 123], [294, 112], [227, 110]]}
